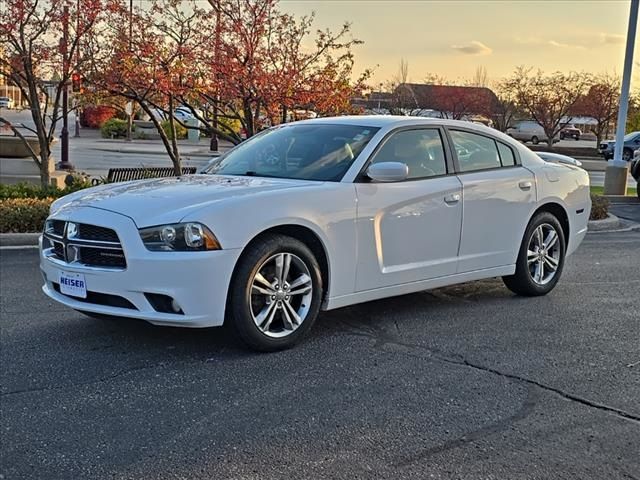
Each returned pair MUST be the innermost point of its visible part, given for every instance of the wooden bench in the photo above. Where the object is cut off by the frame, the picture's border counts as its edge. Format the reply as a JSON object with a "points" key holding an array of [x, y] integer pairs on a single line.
{"points": [[141, 173]]}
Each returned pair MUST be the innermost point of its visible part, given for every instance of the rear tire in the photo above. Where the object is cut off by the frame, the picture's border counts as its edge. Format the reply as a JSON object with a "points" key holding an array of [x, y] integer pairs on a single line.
{"points": [[541, 258], [535, 140], [275, 294]]}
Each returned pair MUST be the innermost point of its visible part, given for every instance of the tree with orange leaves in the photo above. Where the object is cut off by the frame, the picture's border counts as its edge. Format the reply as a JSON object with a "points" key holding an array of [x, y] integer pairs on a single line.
{"points": [[37, 61]]}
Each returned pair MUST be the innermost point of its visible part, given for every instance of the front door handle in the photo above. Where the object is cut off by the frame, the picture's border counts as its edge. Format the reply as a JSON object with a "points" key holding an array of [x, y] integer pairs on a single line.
{"points": [[525, 185], [452, 199]]}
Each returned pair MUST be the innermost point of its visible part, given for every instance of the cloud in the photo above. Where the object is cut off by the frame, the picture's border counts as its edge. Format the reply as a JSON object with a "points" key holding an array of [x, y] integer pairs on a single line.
{"points": [[473, 48], [612, 38], [557, 44]]}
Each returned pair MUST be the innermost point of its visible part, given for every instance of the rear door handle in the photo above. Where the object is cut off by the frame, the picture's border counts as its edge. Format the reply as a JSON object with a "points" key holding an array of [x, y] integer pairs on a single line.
{"points": [[452, 199], [525, 185]]}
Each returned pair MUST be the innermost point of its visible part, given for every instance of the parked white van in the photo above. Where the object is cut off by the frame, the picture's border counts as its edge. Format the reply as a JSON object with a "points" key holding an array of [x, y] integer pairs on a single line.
{"points": [[529, 131]]}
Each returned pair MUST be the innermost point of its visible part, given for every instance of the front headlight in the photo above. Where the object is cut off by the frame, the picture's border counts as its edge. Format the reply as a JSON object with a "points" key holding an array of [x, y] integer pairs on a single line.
{"points": [[179, 237]]}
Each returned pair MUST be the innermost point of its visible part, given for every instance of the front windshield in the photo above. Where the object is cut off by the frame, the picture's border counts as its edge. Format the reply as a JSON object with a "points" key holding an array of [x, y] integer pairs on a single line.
{"points": [[322, 152], [630, 136]]}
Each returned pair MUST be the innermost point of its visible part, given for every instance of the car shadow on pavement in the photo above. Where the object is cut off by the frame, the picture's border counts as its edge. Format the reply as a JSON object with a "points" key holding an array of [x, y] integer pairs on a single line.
{"points": [[387, 315]]}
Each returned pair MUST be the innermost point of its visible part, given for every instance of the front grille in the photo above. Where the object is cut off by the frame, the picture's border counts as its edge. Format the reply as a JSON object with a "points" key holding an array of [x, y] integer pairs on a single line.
{"points": [[57, 227], [98, 234], [98, 298], [58, 250], [90, 245], [102, 257]]}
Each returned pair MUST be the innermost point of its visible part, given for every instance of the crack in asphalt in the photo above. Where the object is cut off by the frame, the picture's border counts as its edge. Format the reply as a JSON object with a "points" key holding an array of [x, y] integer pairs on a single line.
{"points": [[383, 337]]}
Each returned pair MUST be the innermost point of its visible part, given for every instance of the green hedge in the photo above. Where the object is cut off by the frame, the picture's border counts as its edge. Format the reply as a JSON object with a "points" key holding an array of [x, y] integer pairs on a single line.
{"points": [[27, 190], [181, 132], [19, 215], [114, 128]]}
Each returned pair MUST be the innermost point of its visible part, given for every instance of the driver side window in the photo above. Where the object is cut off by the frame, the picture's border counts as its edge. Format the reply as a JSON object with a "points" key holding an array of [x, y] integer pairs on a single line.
{"points": [[420, 149]]}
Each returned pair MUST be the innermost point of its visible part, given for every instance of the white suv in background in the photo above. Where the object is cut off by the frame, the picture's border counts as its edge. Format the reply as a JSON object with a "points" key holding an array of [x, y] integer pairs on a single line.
{"points": [[529, 131]]}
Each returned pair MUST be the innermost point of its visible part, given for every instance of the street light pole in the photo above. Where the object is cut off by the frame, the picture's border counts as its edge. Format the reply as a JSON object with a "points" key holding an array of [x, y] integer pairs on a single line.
{"points": [[213, 145], [77, 62], [64, 136], [615, 180]]}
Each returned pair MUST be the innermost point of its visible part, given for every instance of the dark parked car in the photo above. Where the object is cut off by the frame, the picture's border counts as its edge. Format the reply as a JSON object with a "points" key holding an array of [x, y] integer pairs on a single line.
{"points": [[570, 131], [634, 170], [631, 144]]}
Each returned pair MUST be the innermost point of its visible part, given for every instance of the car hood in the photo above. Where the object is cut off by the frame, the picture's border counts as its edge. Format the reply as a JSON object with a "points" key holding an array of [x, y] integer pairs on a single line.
{"points": [[168, 200]]}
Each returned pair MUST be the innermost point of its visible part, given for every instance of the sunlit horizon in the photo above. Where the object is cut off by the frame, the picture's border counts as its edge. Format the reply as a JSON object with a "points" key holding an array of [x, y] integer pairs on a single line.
{"points": [[453, 38]]}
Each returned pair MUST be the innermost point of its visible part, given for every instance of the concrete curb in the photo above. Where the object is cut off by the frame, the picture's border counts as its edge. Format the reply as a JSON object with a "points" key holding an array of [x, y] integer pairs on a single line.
{"points": [[19, 239], [606, 224]]}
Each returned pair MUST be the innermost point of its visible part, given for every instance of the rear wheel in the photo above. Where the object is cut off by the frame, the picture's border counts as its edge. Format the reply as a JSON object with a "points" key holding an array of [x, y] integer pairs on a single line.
{"points": [[275, 294], [541, 257], [535, 140]]}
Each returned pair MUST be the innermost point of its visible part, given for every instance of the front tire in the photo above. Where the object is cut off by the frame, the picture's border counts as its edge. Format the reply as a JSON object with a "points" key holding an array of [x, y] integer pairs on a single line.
{"points": [[541, 257], [275, 295], [535, 140], [627, 154]]}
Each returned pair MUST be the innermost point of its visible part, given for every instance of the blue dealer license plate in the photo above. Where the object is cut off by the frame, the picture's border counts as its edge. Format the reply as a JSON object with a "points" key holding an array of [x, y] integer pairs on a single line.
{"points": [[73, 284]]}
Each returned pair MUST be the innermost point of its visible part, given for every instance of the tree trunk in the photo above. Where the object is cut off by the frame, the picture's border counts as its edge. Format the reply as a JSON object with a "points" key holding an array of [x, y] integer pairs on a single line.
{"points": [[173, 154], [177, 167]]}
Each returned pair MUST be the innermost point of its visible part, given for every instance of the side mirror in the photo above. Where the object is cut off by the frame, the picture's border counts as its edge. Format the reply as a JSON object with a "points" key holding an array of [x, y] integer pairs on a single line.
{"points": [[388, 172]]}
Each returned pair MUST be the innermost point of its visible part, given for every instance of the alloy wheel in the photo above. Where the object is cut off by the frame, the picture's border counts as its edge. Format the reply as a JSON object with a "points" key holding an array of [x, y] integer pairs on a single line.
{"points": [[281, 294], [543, 254]]}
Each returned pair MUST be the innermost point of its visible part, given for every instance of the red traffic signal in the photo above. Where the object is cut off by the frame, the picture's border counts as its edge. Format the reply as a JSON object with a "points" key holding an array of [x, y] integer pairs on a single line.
{"points": [[76, 82]]}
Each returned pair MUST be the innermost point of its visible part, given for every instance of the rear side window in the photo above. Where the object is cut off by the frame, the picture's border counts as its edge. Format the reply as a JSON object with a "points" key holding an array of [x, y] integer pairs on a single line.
{"points": [[507, 157], [421, 150], [475, 152]]}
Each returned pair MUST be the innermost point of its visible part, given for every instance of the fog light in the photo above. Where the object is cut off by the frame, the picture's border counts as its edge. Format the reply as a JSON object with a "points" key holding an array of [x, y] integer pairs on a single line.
{"points": [[175, 307]]}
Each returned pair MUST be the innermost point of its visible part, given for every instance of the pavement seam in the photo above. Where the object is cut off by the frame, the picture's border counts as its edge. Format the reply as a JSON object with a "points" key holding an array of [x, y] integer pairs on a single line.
{"points": [[383, 338]]}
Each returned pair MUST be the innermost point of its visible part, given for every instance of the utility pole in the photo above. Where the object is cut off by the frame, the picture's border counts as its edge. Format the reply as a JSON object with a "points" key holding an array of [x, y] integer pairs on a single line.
{"points": [[75, 97], [129, 107], [64, 137], [213, 146], [615, 180]]}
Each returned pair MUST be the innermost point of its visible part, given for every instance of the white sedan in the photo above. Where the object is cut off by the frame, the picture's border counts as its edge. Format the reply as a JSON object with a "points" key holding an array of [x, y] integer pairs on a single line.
{"points": [[317, 215]]}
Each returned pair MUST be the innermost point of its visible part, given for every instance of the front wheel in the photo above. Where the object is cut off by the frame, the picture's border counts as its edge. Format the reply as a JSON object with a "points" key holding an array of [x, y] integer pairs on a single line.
{"points": [[275, 293], [541, 257], [535, 140], [627, 154]]}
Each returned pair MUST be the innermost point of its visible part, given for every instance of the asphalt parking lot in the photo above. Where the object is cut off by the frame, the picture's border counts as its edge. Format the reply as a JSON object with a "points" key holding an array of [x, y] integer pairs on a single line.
{"points": [[461, 382]]}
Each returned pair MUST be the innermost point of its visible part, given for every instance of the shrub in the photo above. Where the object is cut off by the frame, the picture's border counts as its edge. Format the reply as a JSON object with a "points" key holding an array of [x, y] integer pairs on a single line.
{"points": [[95, 116], [18, 215], [114, 128], [181, 132], [599, 207], [27, 190]]}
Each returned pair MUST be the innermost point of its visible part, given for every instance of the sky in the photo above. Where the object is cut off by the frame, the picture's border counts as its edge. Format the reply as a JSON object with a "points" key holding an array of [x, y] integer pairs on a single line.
{"points": [[452, 38]]}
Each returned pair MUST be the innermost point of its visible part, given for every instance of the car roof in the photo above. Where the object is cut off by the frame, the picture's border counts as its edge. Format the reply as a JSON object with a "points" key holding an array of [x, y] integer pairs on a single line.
{"points": [[381, 121], [392, 121]]}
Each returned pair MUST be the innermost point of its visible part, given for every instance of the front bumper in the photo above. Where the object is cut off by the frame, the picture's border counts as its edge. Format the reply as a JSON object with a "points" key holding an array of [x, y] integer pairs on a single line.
{"points": [[197, 281]]}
